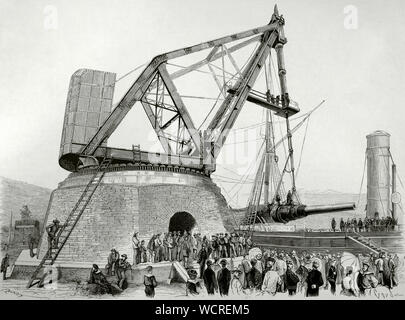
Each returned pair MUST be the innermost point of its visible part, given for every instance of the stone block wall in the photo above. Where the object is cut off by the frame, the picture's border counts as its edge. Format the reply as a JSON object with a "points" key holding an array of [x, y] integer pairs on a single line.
{"points": [[118, 209]]}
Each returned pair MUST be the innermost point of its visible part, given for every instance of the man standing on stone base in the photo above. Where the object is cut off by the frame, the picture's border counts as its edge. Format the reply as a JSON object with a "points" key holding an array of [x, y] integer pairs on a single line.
{"points": [[112, 262], [33, 239], [123, 267], [135, 247], [4, 265], [53, 234]]}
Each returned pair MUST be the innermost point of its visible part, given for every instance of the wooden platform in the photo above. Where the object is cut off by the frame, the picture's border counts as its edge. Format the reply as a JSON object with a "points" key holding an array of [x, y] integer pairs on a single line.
{"points": [[332, 241]]}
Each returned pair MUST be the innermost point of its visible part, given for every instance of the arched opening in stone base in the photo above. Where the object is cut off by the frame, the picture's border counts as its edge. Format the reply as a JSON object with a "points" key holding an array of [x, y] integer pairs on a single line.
{"points": [[182, 221]]}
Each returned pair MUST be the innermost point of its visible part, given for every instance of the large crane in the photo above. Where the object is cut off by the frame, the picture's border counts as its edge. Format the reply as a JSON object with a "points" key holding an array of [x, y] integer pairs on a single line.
{"points": [[188, 145]]}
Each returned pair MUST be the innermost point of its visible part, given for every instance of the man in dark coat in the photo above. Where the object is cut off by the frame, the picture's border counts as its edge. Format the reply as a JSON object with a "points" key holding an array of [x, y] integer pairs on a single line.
{"points": [[342, 225], [33, 239], [210, 280], [332, 276], [123, 267], [224, 279], [4, 265], [255, 276], [98, 283], [333, 224], [291, 279], [202, 258], [366, 279], [53, 235], [112, 262], [314, 280]]}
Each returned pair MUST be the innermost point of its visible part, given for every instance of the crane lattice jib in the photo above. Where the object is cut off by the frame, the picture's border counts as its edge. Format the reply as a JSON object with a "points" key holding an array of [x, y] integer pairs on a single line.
{"points": [[156, 80]]}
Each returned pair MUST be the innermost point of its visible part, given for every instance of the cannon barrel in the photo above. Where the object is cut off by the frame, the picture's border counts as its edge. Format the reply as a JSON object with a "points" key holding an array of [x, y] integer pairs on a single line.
{"points": [[285, 213], [315, 209]]}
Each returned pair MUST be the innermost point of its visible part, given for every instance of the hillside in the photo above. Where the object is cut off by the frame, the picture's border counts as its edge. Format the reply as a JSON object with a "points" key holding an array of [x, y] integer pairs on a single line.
{"points": [[14, 194]]}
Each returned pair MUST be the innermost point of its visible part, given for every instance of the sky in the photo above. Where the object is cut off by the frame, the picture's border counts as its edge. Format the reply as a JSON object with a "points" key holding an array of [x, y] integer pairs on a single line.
{"points": [[355, 64]]}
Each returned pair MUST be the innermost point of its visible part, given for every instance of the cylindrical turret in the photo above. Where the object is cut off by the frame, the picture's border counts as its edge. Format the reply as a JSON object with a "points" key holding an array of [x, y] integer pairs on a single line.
{"points": [[378, 174]]}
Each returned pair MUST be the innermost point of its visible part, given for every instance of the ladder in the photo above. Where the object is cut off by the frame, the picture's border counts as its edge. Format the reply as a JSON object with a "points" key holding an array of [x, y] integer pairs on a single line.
{"points": [[68, 226]]}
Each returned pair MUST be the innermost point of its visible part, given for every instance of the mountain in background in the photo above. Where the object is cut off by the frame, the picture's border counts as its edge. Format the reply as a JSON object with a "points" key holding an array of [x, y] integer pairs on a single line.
{"points": [[14, 194]]}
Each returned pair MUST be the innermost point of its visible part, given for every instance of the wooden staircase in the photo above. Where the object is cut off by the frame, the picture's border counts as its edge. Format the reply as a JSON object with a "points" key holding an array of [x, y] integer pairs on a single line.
{"points": [[70, 223], [367, 242]]}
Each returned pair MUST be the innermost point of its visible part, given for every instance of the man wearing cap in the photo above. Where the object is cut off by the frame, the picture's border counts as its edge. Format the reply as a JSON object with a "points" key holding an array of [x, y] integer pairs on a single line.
{"points": [[314, 280], [123, 267], [224, 279], [366, 279], [291, 279], [246, 268], [210, 280], [53, 234], [112, 262], [332, 276]]}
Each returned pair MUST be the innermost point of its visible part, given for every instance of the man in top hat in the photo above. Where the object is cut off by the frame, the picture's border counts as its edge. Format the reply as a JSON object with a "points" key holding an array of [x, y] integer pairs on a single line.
{"points": [[224, 279], [314, 280], [53, 234], [210, 279]]}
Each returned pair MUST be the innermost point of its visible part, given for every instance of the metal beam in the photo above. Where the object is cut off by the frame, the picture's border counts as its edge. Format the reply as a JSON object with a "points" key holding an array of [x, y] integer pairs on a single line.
{"points": [[244, 88], [184, 114], [138, 88], [155, 125]]}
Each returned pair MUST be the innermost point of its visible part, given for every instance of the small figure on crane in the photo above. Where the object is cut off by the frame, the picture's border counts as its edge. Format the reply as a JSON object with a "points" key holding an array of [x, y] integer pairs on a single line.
{"points": [[289, 200]]}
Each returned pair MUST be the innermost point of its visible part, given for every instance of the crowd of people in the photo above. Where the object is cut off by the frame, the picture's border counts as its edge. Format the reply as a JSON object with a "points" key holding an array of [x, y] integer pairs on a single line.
{"points": [[365, 225], [187, 248], [278, 271]]}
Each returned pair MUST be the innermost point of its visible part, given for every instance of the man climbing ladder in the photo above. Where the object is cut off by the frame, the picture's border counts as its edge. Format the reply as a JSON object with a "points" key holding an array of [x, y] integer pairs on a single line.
{"points": [[58, 235]]}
